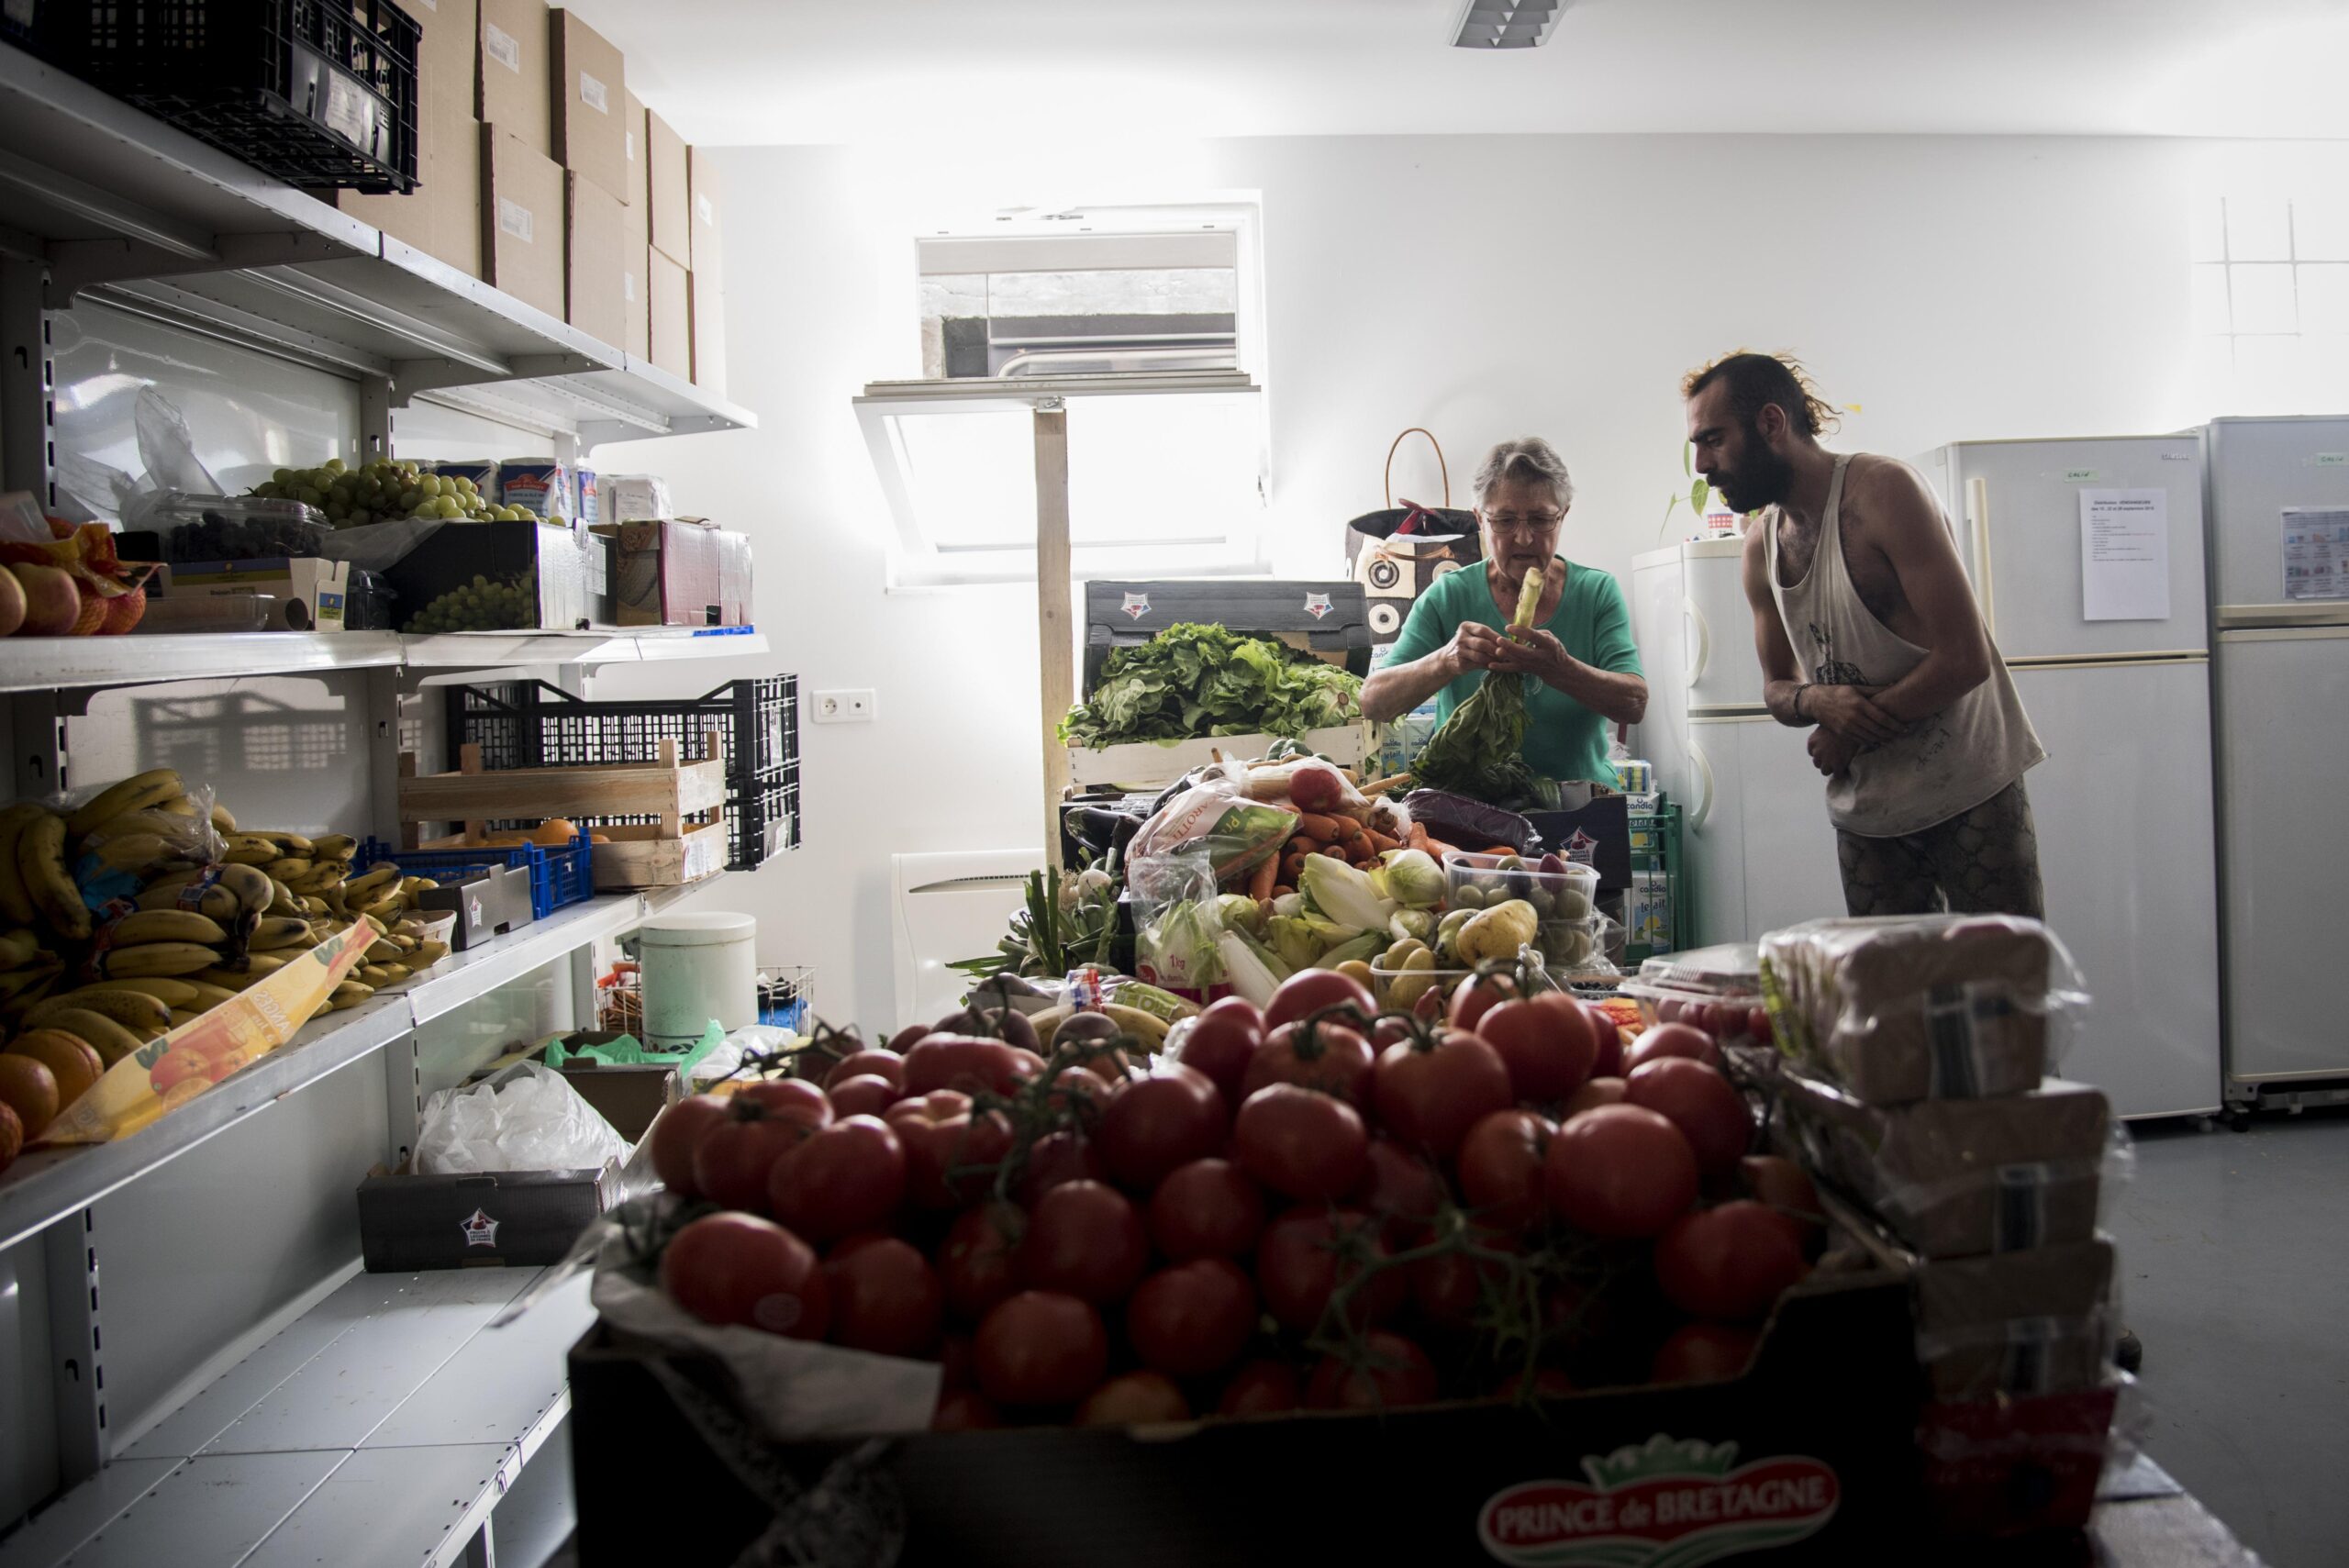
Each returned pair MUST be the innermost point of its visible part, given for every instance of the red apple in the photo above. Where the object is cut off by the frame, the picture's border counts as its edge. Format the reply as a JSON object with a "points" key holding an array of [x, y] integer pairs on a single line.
{"points": [[123, 612], [52, 601], [12, 604]]}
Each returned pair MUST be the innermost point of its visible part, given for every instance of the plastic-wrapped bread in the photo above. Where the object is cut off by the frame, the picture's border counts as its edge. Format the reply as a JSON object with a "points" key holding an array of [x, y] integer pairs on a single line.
{"points": [[2020, 1323], [1920, 1007]]}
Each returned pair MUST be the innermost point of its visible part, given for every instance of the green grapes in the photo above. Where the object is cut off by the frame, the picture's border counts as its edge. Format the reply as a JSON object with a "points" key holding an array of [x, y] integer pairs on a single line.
{"points": [[384, 490], [482, 605]]}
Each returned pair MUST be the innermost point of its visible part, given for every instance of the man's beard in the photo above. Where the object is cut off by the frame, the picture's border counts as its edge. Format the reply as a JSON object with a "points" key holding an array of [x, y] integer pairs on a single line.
{"points": [[1764, 479]]}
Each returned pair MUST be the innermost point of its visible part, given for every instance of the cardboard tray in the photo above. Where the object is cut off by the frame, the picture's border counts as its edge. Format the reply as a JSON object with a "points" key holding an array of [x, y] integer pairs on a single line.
{"points": [[1825, 1415]]}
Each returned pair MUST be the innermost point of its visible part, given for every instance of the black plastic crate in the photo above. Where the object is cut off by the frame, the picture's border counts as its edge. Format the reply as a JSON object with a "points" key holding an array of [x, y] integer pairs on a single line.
{"points": [[319, 93], [531, 724]]}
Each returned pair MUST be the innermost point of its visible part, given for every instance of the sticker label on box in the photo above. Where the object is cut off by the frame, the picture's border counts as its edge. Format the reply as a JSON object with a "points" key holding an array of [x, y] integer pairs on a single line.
{"points": [[709, 213], [345, 110], [480, 1229], [502, 46], [591, 94], [1660, 1502], [514, 219], [627, 287], [630, 140]]}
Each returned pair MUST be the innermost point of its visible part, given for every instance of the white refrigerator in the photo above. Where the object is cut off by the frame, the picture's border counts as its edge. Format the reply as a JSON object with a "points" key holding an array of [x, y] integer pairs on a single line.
{"points": [[2086, 557], [2283, 731], [1759, 851]]}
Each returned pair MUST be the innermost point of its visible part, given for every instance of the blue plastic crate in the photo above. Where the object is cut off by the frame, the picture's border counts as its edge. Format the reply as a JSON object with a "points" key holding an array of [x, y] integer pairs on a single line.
{"points": [[557, 876]]}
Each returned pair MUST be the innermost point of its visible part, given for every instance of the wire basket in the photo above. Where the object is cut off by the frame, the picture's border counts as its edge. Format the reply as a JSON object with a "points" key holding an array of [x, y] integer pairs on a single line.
{"points": [[787, 997]]}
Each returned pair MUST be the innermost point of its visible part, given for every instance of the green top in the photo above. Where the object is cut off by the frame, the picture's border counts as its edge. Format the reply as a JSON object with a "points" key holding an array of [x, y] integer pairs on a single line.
{"points": [[1564, 739]]}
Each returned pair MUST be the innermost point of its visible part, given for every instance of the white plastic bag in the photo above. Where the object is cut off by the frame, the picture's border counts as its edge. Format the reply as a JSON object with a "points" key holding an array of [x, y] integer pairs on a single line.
{"points": [[526, 1118]]}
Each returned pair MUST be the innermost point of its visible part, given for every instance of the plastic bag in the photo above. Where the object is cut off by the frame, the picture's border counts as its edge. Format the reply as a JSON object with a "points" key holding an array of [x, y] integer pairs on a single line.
{"points": [[526, 1118], [1175, 921], [1922, 1007], [379, 546], [1216, 814], [117, 858], [167, 447]]}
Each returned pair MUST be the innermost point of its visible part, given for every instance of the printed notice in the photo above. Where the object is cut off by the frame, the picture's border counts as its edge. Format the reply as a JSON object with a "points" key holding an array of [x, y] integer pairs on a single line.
{"points": [[2124, 554], [2316, 553]]}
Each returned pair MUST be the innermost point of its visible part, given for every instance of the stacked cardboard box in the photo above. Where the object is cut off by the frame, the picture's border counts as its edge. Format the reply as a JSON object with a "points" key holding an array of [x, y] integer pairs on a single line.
{"points": [[669, 233], [442, 216]]}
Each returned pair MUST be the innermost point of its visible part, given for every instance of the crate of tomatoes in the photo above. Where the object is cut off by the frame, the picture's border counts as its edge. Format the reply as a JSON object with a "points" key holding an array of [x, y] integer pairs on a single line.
{"points": [[1495, 1285]]}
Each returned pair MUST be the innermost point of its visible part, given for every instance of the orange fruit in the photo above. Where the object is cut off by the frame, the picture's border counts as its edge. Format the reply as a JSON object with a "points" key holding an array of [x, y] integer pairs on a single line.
{"points": [[73, 1061], [28, 1088], [12, 1137], [554, 833]]}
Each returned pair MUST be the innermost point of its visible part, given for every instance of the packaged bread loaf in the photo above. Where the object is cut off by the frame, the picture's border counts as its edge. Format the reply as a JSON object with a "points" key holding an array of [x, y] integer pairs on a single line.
{"points": [[2020, 1323]]}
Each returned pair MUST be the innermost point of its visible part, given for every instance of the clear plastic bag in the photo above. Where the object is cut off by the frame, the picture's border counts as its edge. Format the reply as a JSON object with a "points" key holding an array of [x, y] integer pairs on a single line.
{"points": [[1922, 1007], [526, 1118], [1176, 923], [2013, 1324], [1216, 814], [117, 858]]}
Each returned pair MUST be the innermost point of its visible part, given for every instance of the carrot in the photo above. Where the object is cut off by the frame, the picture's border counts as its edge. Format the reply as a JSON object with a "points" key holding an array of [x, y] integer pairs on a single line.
{"points": [[1434, 845], [1419, 834], [1382, 843], [1313, 824], [1280, 893], [1335, 851], [1304, 846], [1497, 849], [1260, 881], [1292, 865]]}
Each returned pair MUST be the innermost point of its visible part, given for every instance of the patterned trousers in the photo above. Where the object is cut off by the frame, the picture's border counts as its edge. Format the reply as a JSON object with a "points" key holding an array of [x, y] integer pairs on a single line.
{"points": [[1982, 861]]}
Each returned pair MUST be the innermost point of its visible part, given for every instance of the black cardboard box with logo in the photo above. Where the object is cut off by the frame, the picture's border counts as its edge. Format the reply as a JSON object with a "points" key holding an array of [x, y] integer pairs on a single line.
{"points": [[1809, 1457], [488, 902], [1325, 619], [507, 1219]]}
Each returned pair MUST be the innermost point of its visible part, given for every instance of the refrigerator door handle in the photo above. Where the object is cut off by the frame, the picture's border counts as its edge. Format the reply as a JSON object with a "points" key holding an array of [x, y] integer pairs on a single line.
{"points": [[1696, 618], [1704, 776], [1978, 519]]}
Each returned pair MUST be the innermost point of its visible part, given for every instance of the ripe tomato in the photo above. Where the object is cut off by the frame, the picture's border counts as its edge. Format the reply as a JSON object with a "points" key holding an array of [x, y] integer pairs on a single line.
{"points": [[1310, 990], [737, 1152], [1477, 996], [738, 1268], [1083, 1240], [1621, 1171], [964, 1410], [1430, 1097], [867, 1094], [1193, 1318], [1788, 1191], [1303, 1145], [1502, 1165], [1058, 1157], [1219, 1042], [1307, 1253], [970, 1064], [1394, 1373], [884, 1296], [950, 1154], [1401, 1188], [1672, 1039], [886, 1064], [1603, 1028], [1335, 1060], [1730, 1263], [675, 1134], [1040, 1348], [978, 1261], [1152, 1125], [1449, 1287], [1595, 1092], [850, 1176], [1261, 1388], [1704, 1353], [1133, 1399], [954, 1362], [793, 1099], [905, 1039], [1757, 1024], [1545, 1042], [1209, 1209], [1709, 1113]]}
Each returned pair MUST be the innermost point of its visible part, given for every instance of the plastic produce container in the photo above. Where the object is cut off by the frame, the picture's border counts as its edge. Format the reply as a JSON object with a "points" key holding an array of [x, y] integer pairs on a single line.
{"points": [[1718, 989], [234, 527], [1569, 932], [558, 876]]}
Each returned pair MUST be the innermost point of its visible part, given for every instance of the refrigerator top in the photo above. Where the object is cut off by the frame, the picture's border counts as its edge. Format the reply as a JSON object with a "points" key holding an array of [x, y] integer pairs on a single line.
{"points": [[1689, 550]]}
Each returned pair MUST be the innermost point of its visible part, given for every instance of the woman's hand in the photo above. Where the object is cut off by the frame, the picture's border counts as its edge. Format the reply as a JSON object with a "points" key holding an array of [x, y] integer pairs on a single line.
{"points": [[1532, 652], [1472, 647]]}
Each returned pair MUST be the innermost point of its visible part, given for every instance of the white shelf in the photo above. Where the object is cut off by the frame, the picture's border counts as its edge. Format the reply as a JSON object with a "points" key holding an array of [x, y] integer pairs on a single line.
{"points": [[219, 246], [46, 664], [376, 1431], [47, 1184]]}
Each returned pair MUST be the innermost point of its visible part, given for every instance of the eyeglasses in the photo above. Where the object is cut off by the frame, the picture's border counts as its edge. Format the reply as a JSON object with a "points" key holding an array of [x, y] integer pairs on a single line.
{"points": [[1530, 526]]}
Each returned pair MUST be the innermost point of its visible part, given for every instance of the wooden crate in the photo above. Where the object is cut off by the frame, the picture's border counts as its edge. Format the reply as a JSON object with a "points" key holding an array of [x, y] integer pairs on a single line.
{"points": [[644, 854], [681, 795], [1146, 765]]}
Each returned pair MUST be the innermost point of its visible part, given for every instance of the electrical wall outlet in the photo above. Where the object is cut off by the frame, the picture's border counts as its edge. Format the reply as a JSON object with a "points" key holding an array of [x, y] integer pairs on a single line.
{"points": [[845, 707]]}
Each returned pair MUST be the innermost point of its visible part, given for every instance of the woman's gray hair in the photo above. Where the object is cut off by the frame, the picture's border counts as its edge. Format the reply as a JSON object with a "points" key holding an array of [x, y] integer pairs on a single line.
{"points": [[1528, 460]]}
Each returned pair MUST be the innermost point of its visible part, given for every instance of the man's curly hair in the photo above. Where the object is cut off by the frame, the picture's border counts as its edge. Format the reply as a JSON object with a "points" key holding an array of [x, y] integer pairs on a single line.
{"points": [[1757, 380]]}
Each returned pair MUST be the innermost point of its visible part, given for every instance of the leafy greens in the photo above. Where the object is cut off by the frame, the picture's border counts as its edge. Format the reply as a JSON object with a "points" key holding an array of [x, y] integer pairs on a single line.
{"points": [[1192, 681], [1479, 750]]}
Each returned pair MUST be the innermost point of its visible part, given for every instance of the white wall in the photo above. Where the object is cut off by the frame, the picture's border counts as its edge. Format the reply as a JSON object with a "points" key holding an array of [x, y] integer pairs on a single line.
{"points": [[1485, 286]]}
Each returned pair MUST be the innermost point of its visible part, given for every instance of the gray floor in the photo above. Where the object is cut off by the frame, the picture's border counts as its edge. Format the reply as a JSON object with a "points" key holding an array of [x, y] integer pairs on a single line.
{"points": [[2234, 1260]]}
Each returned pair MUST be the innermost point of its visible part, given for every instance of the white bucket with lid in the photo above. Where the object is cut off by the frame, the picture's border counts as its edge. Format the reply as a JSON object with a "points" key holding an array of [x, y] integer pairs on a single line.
{"points": [[697, 967]]}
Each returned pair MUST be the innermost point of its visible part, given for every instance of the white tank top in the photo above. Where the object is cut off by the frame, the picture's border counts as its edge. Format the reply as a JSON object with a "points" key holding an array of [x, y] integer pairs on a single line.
{"points": [[1947, 763]]}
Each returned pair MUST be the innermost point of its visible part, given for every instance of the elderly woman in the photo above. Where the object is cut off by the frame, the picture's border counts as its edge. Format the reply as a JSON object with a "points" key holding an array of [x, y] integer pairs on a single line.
{"points": [[1579, 644]]}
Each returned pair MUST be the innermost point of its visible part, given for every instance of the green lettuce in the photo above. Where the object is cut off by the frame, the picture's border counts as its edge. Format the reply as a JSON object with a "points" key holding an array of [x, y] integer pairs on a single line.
{"points": [[1190, 682]]}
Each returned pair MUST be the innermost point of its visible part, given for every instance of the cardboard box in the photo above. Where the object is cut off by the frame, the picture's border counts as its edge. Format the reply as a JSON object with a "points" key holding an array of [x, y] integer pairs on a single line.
{"points": [[590, 102], [513, 72], [595, 260], [636, 279], [521, 221], [305, 594], [632, 142], [442, 216], [554, 555], [679, 573], [669, 331], [709, 333], [506, 1218], [709, 217], [667, 173]]}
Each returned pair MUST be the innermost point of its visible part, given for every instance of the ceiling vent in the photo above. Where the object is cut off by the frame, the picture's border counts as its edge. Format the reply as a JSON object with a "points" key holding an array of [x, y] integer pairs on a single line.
{"points": [[1495, 24]]}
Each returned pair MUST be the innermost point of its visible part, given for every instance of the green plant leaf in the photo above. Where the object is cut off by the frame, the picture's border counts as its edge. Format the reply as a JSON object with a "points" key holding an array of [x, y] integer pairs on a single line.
{"points": [[1698, 492], [1685, 469]]}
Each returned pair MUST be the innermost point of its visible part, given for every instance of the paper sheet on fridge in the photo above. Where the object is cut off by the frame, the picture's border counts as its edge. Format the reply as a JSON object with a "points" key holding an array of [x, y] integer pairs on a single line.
{"points": [[2124, 554], [2316, 553]]}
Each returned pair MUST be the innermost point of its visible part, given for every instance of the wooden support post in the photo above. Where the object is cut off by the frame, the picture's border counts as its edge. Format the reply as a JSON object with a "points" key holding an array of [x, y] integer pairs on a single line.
{"points": [[1055, 634]]}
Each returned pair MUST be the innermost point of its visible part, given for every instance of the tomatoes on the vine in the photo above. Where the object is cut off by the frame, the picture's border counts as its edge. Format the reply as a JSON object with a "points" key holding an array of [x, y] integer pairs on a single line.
{"points": [[738, 1151], [1604, 1029], [1303, 1145], [1428, 1097], [1710, 1113], [1209, 1209], [867, 1094], [1449, 1287], [1261, 1388], [1503, 1165], [977, 1261], [848, 1177], [1479, 994], [1730, 1263], [1308, 1254], [1400, 1186], [676, 1133], [967, 1063], [1704, 1353], [1083, 1240], [1620, 1171], [1040, 1348], [1328, 1056], [888, 1064], [741, 1269], [1788, 1191], [951, 1154], [884, 1296], [1672, 1039], [1219, 1042], [1546, 1045], [1594, 1093], [1193, 1318], [1133, 1399], [1058, 1157], [1310, 990], [1152, 1125], [1391, 1373]]}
